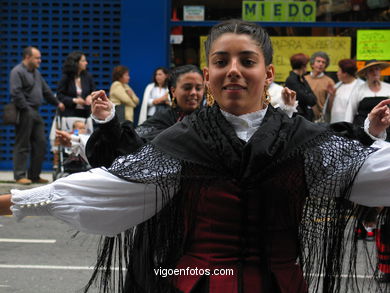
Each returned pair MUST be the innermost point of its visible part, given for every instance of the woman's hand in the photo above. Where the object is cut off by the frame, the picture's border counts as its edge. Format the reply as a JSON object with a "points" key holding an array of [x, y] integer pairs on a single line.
{"points": [[289, 96], [101, 105], [379, 118], [162, 100], [64, 138], [61, 106], [331, 90], [88, 100], [79, 101], [5, 205]]}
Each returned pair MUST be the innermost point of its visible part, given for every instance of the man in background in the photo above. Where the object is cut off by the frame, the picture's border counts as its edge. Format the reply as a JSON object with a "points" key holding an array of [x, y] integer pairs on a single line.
{"points": [[321, 84], [27, 90]]}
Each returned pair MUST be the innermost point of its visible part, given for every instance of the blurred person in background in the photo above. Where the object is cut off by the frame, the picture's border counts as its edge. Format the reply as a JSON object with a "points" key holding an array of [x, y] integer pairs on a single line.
{"points": [[370, 93], [296, 82], [321, 84], [186, 88], [27, 88], [75, 86], [122, 95], [341, 94], [156, 96]]}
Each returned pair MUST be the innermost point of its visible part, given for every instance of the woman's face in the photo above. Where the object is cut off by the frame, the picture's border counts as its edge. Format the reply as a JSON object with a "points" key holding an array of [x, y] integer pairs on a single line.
{"points": [[161, 77], [373, 73], [125, 78], [341, 75], [83, 63], [189, 91], [237, 74]]}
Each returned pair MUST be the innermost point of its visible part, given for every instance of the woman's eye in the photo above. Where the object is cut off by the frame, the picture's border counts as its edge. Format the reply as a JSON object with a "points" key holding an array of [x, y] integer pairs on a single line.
{"points": [[248, 62], [219, 62]]}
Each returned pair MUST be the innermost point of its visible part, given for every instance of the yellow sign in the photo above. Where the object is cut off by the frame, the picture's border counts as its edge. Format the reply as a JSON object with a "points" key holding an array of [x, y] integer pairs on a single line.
{"points": [[202, 52], [373, 44], [279, 11], [284, 47]]}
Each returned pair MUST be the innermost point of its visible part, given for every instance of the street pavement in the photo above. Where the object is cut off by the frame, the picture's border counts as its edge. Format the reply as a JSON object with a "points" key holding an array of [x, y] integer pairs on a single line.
{"points": [[39, 255]]}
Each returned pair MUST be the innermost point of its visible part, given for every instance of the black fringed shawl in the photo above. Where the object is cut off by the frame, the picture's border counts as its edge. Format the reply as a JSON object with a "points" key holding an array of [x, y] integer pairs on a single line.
{"points": [[302, 173]]}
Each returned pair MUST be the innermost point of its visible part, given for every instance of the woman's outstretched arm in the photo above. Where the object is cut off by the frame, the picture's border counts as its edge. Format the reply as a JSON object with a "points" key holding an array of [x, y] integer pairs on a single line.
{"points": [[5, 205]]}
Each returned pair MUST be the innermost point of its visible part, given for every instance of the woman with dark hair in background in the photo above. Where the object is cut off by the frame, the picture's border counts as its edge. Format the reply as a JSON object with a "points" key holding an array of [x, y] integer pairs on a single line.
{"points": [[112, 139], [122, 95], [296, 82], [75, 86], [156, 95]]}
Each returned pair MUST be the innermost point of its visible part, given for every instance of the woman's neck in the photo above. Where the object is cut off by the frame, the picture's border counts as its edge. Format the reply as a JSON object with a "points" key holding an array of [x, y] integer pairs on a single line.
{"points": [[349, 79], [299, 72]]}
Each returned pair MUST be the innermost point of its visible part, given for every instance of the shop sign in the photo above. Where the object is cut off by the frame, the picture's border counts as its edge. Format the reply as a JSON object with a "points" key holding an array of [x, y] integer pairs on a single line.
{"points": [[373, 44], [193, 13], [293, 11]]}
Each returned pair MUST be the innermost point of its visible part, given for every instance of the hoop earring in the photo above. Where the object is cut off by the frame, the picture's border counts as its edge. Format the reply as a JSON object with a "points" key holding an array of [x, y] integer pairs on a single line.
{"points": [[173, 102], [267, 97], [209, 97]]}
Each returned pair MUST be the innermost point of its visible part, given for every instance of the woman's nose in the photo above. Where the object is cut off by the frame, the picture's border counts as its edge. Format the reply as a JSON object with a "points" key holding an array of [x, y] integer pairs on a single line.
{"points": [[234, 71]]}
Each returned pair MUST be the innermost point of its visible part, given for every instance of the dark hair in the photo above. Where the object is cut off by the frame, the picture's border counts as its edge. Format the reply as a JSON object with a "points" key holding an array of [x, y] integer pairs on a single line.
{"points": [[118, 72], [27, 52], [179, 71], [71, 63], [236, 26], [163, 69], [299, 60], [348, 66], [322, 55]]}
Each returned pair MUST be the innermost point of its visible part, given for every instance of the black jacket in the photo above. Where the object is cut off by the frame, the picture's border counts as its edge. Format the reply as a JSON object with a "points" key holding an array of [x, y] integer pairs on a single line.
{"points": [[66, 92], [305, 96]]}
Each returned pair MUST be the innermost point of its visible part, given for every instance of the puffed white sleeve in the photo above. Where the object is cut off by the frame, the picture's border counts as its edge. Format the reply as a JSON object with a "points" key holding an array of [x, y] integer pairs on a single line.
{"points": [[372, 184], [95, 201]]}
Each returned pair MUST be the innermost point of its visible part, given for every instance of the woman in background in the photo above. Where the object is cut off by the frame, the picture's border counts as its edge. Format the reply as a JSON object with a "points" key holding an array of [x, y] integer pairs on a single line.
{"points": [[112, 139], [296, 82], [122, 95], [156, 95], [75, 86]]}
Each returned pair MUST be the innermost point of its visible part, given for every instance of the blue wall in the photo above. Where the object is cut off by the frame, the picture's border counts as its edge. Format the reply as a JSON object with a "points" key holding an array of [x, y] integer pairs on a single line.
{"points": [[110, 32], [144, 40]]}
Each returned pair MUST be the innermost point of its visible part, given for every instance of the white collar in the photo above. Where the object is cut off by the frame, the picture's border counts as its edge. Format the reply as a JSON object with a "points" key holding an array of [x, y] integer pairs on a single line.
{"points": [[318, 76], [245, 125]]}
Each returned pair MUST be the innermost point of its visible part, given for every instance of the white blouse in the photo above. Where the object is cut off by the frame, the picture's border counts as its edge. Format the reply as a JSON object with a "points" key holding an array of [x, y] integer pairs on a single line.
{"points": [[359, 93], [341, 99], [98, 202]]}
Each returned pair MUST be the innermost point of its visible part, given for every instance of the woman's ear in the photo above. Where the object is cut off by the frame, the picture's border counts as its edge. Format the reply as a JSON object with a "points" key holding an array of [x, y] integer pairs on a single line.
{"points": [[173, 89], [270, 74], [206, 75]]}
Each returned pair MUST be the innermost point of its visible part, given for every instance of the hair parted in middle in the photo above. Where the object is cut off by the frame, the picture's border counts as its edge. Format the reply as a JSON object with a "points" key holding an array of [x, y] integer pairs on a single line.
{"points": [[175, 74], [240, 27]]}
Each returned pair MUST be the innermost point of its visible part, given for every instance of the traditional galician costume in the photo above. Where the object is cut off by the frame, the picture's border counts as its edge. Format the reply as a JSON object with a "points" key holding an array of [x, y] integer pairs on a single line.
{"points": [[268, 201]]}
